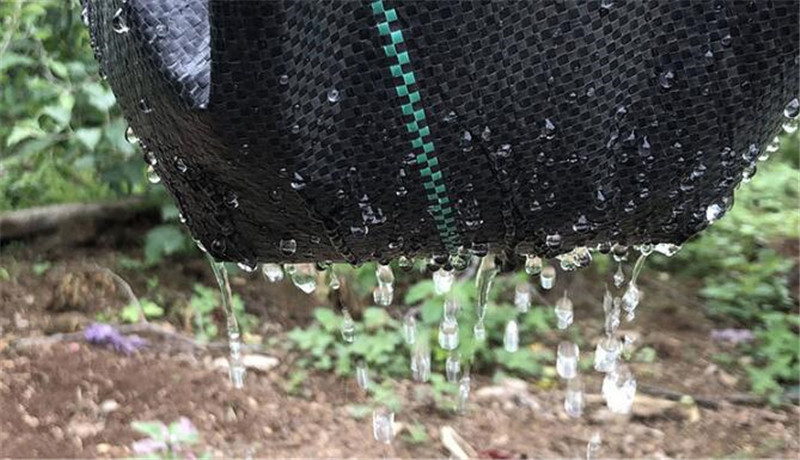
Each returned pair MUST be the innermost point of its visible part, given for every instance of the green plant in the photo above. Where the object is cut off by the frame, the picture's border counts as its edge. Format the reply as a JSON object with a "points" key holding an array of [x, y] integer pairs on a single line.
{"points": [[132, 312], [202, 305], [167, 442]]}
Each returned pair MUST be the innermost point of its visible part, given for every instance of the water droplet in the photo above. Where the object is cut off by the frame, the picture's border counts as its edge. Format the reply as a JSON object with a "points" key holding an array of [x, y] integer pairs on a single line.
{"points": [[726, 41], [118, 23], [522, 297], [333, 280], [644, 147], [443, 281], [272, 272], [161, 30], [448, 328], [144, 106], [593, 446], [421, 361], [131, 136], [582, 225], [450, 117], [486, 134], [304, 277], [383, 425], [667, 249], [333, 95], [180, 165], [150, 158], [611, 310], [553, 241], [549, 129], [790, 126], [792, 108], [630, 300], [283, 80], [619, 276], [573, 401], [295, 129], [410, 329], [606, 4], [405, 263], [511, 336], [152, 175], [362, 375], [619, 389], [665, 79], [547, 277], [298, 182], [452, 367], [533, 265], [288, 246], [567, 358], [463, 393], [466, 141], [590, 91], [385, 289], [247, 266], [606, 354], [347, 327], [563, 311], [85, 16]]}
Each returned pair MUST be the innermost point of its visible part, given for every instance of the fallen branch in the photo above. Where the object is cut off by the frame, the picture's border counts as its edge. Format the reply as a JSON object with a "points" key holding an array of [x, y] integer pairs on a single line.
{"points": [[714, 402], [25, 223]]}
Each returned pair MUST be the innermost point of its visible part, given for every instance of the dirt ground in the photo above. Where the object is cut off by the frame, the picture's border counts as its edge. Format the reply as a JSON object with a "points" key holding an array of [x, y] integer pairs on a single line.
{"points": [[70, 399]]}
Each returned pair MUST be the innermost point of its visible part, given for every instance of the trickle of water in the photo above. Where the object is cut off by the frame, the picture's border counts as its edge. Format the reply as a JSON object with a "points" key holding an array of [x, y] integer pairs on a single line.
{"points": [[522, 297], [567, 356], [606, 354], [384, 293], [483, 280], [410, 329], [593, 446], [448, 328], [272, 272], [452, 367], [304, 276], [462, 399], [383, 425], [479, 331], [628, 346], [547, 277], [348, 327], [443, 281], [533, 265], [573, 400], [421, 361], [611, 309], [118, 23], [333, 279], [288, 246], [619, 276], [619, 390], [563, 309], [511, 336], [362, 375], [152, 175], [236, 365]]}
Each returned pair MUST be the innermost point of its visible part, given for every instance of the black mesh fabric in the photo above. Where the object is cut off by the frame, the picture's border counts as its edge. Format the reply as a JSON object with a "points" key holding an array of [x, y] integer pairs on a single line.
{"points": [[595, 121]]}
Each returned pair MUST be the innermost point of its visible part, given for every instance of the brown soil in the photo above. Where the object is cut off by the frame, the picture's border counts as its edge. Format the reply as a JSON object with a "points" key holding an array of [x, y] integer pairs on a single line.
{"points": [[54, 399]]}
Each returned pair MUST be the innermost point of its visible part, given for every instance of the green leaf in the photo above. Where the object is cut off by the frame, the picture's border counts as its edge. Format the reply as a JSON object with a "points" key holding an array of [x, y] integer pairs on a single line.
{"points": [[154, 430], [89, 137], [24, 130], [161, 241], [99, 96]]}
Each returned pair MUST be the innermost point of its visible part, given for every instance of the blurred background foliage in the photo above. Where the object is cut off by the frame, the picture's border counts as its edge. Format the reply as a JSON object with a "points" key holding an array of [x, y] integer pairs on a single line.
{"points": [[62, 139]]}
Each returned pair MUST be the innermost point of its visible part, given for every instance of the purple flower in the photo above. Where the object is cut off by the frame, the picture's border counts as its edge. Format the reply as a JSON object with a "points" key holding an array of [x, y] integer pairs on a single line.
{"points": [[105, 334], [734, 336]]}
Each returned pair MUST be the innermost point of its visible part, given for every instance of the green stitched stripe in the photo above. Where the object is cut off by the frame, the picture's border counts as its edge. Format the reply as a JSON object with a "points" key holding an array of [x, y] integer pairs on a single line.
{"points": [[417, 126]]}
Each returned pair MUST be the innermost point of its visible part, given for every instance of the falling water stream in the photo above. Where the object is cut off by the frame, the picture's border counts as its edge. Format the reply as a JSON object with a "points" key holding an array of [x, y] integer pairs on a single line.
{"points": [[237, 369]]}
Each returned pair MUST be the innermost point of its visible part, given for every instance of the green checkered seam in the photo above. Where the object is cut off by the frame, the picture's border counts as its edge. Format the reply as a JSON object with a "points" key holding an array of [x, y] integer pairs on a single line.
{"points": [[425, 151]]}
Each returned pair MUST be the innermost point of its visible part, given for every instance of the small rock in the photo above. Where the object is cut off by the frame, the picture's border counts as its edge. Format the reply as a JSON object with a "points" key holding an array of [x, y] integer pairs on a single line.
{"points": [[103, 448], [81, 429], [108, 406], [647, 406], [727, 379], [32, 422], [261, 363]]}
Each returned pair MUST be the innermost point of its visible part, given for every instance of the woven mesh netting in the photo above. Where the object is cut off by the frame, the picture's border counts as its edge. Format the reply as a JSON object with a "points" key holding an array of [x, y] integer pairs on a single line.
{"points": [[363, 130]]}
